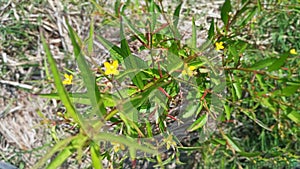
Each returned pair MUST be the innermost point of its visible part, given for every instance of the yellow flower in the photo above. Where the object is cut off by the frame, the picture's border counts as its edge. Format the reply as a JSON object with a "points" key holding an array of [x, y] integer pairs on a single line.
{"points": [[293, 52], [219, 45], [117, 147], [68, 79], [188, 70], [111, 69]]}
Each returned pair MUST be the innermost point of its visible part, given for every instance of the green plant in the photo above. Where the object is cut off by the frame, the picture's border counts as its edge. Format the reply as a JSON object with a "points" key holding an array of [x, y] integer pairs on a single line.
{"points": [[178, 81]]}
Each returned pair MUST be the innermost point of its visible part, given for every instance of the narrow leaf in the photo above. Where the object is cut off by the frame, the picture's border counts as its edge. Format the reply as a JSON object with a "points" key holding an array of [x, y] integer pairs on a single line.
{"points": [[87, 75], [262, 64], [238, 89], [232, 143], [124, 44], [115, 51], [176, 15], [211, 31], [59, 86], [82, 98], [290, 90], [279, 62], [117, 7], [249, 154], [226, 8], [61, 158], [294, 116], [136, 63], [95, 155], [198, 123], [90, 40], [153, 15], [58, 146]]}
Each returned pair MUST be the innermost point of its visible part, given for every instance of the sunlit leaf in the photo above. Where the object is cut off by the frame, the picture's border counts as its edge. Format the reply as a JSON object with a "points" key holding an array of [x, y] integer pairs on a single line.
{"points": [[295, 116], [87, 76], [198, 123], [232, 143], [290, 90], [226, 8], [95, 155], [59, 86]]}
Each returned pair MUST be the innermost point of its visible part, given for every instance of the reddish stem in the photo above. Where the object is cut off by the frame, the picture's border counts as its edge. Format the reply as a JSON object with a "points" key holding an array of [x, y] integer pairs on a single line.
{"points": [[164, 92]]}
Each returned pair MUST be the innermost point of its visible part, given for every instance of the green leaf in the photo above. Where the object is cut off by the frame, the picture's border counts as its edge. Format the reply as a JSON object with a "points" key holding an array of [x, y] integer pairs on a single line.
{"points": [[96, 156], [238, 89], [233, 53], [219, 141], [82, 98], [76, 144], [262, 64], [115, 51], [88, 76], [232, 143], [248, 17], [132, 153], [153, 15], [133, 62], [58, 146], [90, 40], [198, 123], [61, 157], [59, 86], [227, 111], [117, 7], [268, 104], [253, 117], [294, 116], [278, 62], [249, 154], [290, 90], [226, 8], [176, 15], [124, 44], [211, 31]]}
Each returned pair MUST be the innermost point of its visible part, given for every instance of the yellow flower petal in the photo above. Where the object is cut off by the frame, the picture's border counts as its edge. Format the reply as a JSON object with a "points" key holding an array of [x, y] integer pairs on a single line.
{"points": [[219, 45], [192, 68], [293, 52], [106, 65], [188, 70], [111, 69], [68, 79], [115, 63]]}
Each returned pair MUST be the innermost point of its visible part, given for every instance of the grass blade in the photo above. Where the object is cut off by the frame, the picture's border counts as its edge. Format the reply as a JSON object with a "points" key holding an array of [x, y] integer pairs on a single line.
{"points": [[95, 154], [87, 75], [59, 86], [58, 146], [61, 157]]}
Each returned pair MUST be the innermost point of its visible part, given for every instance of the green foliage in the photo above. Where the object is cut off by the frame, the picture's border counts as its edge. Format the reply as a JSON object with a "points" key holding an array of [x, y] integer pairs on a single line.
{"points": [[257, 118]]}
